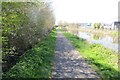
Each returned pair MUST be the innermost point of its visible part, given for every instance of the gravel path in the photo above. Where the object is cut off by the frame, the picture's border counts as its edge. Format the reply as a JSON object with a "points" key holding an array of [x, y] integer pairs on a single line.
{"points": [[68, 62]]}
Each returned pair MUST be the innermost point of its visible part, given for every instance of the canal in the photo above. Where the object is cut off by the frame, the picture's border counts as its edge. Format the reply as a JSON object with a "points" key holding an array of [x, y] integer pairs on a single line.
{"points": [[105, 40]]}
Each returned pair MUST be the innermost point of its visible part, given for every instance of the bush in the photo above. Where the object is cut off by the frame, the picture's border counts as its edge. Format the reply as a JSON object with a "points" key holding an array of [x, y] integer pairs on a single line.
{"points": [[97, 25]]}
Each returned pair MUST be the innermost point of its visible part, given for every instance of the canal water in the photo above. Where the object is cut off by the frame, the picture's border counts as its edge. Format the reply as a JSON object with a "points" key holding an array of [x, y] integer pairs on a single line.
{"points": [[106, 41]]}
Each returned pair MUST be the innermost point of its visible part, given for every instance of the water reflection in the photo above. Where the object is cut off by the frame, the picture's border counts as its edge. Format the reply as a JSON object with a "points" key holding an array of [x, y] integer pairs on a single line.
{"points": [[106, 41]]}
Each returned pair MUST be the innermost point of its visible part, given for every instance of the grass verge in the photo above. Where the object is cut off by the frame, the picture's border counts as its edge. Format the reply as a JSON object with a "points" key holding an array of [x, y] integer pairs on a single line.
{"points": [[104, 61], [36, 62]]}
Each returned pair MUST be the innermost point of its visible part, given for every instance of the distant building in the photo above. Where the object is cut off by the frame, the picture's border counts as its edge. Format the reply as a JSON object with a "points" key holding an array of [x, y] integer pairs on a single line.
{"points": [[111, 26], [106, 26], [85, 25], [116, 25]]}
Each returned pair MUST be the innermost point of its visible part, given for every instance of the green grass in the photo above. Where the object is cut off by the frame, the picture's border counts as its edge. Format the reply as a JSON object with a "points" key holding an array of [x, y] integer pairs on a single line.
{"points": [[36, 62], [114, 33], [101, 59]]}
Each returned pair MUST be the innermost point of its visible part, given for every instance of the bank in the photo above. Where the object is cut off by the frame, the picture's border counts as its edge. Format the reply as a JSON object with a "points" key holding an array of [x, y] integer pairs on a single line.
{"points": [[113, 33], [36, 62], [104, 61]]}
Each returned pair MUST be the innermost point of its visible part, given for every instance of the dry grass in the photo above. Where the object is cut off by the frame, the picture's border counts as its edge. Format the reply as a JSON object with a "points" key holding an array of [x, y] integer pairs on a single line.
{"points": [[102, 32]]}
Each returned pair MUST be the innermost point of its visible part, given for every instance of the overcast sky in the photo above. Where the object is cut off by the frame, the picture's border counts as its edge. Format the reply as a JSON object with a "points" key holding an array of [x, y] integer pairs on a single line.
{"points": [[86, 10]]}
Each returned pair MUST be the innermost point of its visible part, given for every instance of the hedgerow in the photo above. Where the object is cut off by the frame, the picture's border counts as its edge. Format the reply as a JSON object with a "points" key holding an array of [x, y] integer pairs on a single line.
{"points": [[23, 25]]}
